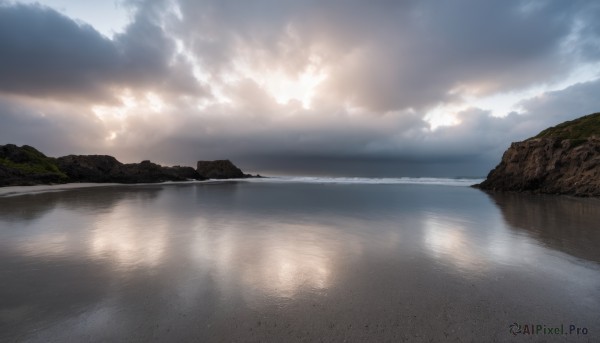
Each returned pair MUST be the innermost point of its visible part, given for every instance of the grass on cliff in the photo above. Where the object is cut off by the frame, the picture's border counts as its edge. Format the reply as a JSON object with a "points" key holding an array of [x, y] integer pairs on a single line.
{"points": [[579, 129], [36, 163]]}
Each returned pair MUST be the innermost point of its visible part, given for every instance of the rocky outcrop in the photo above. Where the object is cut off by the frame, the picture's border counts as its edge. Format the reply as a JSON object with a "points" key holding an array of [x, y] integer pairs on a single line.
{"points": [[561, 160], [89, 168], [219, 169], [24, 166], [188, 173], [20, 166], [104, 168]]}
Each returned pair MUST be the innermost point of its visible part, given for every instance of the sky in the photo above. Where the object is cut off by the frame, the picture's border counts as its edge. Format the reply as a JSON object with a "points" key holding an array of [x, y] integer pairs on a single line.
{"points": [[378, 88]]}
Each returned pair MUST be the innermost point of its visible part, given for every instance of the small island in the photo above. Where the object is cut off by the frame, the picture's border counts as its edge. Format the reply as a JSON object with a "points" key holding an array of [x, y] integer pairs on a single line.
{"points": [[26, 166], [564, 159]]}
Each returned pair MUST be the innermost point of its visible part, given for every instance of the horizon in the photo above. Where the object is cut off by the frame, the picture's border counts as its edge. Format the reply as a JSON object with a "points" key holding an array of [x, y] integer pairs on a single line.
{"points": [[387, 89]]}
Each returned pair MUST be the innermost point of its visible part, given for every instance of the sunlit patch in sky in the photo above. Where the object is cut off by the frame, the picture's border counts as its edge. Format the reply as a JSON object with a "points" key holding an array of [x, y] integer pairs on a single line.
{"points": [[107, 113], [155, 103], [444, 115], [301, 88], [115, 117], [284, 85]]}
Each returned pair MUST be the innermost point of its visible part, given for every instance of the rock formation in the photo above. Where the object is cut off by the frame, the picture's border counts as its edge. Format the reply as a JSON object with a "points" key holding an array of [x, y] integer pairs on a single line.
{"points": [[219, 169], [22, 166], [564, 159], [27, 166], [104, 168]]}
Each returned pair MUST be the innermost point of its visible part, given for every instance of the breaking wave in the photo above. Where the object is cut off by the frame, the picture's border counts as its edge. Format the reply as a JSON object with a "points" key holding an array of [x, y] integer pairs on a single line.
{"points": [[465, 182]]}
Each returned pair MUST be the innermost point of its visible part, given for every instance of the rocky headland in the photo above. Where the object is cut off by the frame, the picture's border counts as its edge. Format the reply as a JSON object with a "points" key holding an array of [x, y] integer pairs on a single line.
{"points": [[564, 159], [25, 166], [219, 169]]}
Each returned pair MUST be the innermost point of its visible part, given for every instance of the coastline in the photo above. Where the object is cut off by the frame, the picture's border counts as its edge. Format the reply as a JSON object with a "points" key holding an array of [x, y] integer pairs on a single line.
{"points": [[9, 191]]}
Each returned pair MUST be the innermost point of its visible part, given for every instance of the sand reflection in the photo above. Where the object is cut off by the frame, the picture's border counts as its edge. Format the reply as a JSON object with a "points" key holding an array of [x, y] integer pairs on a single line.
{"points": [[475, 247], [447, 240], [287, 264], [275, 259], [121, 239]]}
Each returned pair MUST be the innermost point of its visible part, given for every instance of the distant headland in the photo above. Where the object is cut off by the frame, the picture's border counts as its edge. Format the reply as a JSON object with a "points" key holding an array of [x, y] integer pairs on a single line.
{"points": [[26, 166], [564, 159]]}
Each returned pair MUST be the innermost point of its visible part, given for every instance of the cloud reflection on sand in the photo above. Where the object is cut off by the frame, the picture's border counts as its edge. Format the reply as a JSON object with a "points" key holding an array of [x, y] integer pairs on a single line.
{"points": [[474, 248], [279, 259], [118, 239], [194, 262], [445, 239]]}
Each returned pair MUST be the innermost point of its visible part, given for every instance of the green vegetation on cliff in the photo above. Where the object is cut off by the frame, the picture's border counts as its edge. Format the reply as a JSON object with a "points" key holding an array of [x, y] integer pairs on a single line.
{"points": [[578, 129], [32, 168], [24, 166], [564, 159], [29, 162]]}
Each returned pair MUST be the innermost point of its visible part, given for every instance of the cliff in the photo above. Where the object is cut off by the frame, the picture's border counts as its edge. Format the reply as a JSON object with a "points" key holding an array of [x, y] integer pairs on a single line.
{"points": [[564, 159], [27, 166], [24, 166]]}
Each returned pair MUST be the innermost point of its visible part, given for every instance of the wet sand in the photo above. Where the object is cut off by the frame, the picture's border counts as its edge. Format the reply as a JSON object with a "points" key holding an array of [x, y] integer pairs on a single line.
{"points": [[295, 262]]}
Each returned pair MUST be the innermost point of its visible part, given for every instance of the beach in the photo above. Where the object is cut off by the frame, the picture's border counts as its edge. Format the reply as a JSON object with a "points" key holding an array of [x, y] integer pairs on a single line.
{"points": [[296, 260]]}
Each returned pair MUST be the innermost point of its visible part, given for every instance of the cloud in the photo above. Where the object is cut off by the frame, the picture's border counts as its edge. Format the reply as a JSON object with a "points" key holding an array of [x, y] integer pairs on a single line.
{"points": [[295, 86], [54, 128], [557, 106], [46, 54], [389, 55]]}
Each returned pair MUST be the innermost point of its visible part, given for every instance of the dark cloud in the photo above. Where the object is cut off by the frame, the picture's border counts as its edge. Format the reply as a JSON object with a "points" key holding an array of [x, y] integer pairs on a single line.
{"points": [[46, 54], [555, 107], [587, 35]]}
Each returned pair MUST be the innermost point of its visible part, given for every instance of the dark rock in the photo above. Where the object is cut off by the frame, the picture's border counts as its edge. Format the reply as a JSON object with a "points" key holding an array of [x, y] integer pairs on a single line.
{"points": [[184, 172], [89, 168], [219, 169], [146, 171], [103, 168], [27, 166], [552, 162]]}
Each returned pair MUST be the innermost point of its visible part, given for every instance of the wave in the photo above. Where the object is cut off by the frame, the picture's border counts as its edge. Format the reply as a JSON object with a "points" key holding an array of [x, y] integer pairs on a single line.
{"points": [[465, 182]]}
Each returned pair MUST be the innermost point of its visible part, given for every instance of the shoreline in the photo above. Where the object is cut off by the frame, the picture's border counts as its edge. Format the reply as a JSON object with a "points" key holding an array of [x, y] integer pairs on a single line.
{"points": [[10, 191]]}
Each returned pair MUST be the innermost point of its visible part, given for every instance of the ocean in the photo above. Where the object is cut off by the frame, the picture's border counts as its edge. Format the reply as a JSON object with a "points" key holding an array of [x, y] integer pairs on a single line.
{"points": [[297, 259]]}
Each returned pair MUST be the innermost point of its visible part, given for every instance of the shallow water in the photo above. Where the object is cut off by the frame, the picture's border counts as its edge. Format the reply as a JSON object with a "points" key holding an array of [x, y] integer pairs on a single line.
{"points": [[296, 261]]}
